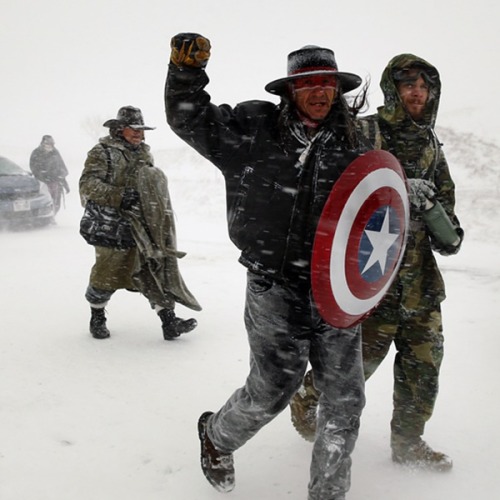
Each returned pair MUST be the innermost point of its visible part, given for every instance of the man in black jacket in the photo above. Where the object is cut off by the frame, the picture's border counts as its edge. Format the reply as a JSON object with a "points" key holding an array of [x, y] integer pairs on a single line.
{"points": [[280, 163]]}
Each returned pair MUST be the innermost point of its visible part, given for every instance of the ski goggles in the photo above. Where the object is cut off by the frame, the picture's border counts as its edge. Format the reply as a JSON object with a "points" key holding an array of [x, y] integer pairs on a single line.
{"points": [[412, 73]]}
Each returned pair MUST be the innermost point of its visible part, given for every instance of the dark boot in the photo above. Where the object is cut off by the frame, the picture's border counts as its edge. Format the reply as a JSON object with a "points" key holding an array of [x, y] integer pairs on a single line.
{"points": [[98, 327], [218, 467], [173, 326]]}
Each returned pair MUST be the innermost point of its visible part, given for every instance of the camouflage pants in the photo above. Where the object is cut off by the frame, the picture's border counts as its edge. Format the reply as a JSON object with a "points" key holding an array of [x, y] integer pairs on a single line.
{"points": [[285, 332], [418, 339]]}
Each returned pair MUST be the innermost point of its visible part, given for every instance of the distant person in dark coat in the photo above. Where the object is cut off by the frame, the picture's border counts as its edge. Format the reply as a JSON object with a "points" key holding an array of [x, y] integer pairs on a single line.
{"points": [[47, 166]]}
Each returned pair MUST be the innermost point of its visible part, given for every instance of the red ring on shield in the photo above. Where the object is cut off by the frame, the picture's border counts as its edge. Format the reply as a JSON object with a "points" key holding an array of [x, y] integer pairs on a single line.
{"points": [[347, 249]]}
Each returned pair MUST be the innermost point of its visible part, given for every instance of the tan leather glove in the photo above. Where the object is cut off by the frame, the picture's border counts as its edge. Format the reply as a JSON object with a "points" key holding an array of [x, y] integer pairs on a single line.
{"points": [[190, 49]]}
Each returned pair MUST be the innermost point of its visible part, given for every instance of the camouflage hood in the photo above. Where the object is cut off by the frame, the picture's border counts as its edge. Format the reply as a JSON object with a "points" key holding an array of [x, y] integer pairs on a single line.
{"points": [[393, 111]]}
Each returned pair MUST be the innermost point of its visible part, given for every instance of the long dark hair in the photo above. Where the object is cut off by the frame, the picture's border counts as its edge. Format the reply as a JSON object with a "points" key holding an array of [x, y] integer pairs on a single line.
{"points": [[344, 112], [359, 102], [352, 107]]}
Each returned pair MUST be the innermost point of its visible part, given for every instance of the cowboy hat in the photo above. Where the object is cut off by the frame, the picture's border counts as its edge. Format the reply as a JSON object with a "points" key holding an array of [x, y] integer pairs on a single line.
{"points": [[128, 116], [312, 60]]}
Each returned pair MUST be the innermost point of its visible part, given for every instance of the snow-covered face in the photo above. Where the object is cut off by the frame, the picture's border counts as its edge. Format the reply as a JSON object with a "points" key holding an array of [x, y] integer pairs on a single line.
{"points": [[133, 136], [314, 95], [414, 95]]}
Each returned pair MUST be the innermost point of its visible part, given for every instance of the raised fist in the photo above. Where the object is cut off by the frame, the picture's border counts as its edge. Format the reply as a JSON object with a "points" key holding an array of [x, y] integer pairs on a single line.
{"points": [[190, 49]]}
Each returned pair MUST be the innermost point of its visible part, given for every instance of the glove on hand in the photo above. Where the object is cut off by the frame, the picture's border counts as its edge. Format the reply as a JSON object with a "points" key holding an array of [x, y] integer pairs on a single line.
{"points": [[420, 191], [130, 198], [190, 49]]}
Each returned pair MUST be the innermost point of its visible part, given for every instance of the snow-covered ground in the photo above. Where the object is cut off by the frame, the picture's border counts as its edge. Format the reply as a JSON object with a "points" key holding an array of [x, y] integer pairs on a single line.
{"points": [[83, 419]]}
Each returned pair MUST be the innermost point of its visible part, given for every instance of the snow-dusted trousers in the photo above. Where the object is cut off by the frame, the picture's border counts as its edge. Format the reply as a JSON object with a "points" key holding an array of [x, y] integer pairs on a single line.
{"points": [[285, 332]]}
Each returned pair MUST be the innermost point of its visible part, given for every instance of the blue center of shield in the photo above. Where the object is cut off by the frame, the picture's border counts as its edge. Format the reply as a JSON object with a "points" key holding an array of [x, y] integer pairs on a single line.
{"points": [[378, 247]]}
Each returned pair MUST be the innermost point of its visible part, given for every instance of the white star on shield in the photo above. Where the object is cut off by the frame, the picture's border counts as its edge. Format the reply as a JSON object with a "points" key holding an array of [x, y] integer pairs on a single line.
{"points": [[381, 242]]}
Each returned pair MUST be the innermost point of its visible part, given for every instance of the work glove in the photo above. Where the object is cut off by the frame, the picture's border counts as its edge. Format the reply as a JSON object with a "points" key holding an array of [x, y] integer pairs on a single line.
{"points": [[190, 50], [421, 193], [130, 199]]}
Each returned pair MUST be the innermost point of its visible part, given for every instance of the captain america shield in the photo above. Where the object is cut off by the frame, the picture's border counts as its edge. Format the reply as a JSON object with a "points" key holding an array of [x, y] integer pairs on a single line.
{"points": [[360, 239]]}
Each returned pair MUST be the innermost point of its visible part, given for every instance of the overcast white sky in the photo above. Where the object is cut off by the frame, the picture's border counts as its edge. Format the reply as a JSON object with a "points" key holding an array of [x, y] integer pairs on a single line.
{"points": [[66, 62]]}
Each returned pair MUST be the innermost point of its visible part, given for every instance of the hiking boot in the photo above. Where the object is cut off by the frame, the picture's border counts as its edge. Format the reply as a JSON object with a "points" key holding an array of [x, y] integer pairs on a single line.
{"points": [[304, 406], [218, 467], [98, 327], [417, 453], [173, 326]]}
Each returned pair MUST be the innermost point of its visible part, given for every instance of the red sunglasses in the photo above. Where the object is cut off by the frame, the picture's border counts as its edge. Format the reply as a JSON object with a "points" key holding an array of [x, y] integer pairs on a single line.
{"points": [[315, 81]]}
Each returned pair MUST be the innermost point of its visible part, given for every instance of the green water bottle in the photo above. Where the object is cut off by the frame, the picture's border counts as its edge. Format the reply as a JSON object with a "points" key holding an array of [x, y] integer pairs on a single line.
{"points": [[440, 225]]}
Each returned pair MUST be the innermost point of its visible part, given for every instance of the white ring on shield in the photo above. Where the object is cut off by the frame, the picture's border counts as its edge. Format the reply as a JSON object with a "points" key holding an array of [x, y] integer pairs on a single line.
{"points": [[349, 303]]}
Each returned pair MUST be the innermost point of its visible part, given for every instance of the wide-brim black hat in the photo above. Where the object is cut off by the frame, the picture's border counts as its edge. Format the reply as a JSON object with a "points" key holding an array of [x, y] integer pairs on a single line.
{"points": [[312, 60], [128, 116]]}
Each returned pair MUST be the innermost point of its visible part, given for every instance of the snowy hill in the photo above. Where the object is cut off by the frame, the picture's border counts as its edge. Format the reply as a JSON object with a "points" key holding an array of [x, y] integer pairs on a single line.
{"points": [[116, 420], [474, 164]]}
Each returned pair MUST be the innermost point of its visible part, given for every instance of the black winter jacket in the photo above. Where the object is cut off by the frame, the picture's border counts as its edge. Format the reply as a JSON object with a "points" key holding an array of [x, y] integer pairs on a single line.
{"points": [[274, 200]]}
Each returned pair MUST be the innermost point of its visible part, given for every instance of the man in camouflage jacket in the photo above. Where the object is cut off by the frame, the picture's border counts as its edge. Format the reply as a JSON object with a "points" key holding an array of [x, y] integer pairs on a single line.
{"points": [[410, 313], [120, 173]]}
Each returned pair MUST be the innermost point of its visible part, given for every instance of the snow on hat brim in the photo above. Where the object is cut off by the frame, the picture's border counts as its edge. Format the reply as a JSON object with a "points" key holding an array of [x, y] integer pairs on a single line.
{"points": [[128, 117], [114, 123], [348, 81], [312, 60]]}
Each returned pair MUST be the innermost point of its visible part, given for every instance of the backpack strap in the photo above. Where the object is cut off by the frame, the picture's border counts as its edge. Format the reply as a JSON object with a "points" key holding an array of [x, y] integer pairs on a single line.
{"points": [[429, 175], [108, 161]]}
